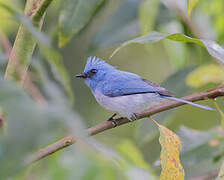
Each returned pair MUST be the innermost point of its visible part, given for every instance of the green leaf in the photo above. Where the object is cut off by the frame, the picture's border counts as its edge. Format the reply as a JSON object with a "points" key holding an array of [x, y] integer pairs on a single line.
{"points": [[191, 4], [134, 156], [212, 47], [2, 57], [51, 55], [199, 149], [147, 15], [29, 125], [58, 68], [193, 138], [117, 29], [74, 16], [6, 23]]}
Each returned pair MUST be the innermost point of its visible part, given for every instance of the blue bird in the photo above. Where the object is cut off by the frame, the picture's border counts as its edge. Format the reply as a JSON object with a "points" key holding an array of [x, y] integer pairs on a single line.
{"points": [[122, 92]]}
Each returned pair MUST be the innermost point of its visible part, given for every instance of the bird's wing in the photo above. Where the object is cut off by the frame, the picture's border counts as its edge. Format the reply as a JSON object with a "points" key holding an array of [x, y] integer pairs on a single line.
{"points": [[124, 83]]}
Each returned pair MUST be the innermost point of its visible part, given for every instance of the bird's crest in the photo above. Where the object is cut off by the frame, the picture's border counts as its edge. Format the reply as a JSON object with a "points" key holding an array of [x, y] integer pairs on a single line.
{"points": [[96, 63]]}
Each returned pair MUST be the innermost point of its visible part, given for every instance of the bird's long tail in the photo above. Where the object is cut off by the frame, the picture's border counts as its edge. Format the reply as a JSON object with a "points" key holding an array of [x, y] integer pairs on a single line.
{"points": [[188, 102]]}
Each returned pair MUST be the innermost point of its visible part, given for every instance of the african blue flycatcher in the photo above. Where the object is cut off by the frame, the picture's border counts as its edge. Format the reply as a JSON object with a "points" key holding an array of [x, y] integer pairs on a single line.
{"points": [[123, 92]]}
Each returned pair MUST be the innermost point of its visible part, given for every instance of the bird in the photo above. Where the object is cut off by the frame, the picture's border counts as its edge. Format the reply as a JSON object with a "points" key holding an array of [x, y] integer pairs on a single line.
{"points": [[122, 92]]}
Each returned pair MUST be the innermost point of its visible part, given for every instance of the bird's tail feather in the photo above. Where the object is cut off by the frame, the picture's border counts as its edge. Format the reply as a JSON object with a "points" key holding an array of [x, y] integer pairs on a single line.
{"points": [[188, 102]]}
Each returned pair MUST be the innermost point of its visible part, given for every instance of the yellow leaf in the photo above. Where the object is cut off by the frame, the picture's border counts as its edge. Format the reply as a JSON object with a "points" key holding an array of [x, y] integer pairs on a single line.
{"points": [[191, 5], [221, 172], [203, 75], [169, 156]]}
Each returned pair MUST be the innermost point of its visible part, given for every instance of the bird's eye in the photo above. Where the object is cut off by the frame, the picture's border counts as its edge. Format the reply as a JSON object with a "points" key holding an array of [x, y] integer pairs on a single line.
{"points": [[93, 71]]}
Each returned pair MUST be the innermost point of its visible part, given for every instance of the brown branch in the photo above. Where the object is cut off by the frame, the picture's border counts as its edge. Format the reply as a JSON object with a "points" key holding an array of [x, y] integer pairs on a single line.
{"points": [[69, 140]]}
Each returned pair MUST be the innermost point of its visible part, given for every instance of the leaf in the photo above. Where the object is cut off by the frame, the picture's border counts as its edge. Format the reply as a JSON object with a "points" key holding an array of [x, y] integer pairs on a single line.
{"points": [[6, 23], [212, 47], [147, 15], [221, 172], [133, 156], [3, 57], [192, 138], [136, 173], [117, 29], [200, 148], [203, 75], [169, 156], [29, 125], [23, 19], [191, 4], [74, 16], [133, 163], [221, 113], [51, 55], [58, 68]]}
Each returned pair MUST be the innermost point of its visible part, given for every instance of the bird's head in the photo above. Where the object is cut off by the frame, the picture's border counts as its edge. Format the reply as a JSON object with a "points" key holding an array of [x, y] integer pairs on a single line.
{"points": [[95, 71]]}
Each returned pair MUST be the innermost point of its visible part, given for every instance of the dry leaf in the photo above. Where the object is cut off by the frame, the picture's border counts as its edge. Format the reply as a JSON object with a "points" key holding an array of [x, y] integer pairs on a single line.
{"points": [[221, 172], [169, 156]]}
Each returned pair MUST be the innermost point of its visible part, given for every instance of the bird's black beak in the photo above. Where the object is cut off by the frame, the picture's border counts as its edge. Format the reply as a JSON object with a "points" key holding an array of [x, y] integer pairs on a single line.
{"points": [[82, 75]]}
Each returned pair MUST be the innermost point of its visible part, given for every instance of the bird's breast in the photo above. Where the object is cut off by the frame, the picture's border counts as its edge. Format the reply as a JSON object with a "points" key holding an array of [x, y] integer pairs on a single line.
{"points": [[128, 104]]}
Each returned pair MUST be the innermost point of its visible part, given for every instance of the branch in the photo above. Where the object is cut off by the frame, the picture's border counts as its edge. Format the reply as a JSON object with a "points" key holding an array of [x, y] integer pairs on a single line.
{"points": [[69, 140]]}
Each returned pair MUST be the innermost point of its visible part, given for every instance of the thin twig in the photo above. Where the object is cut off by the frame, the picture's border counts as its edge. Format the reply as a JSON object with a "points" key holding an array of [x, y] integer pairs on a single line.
{"points": [[69, 140]]}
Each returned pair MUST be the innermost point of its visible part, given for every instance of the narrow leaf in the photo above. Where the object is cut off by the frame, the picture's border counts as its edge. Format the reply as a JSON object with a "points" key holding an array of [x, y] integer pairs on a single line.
{"points": [[191, 4], [51, 55], [169, 156], [212, 47], [75, 15]]}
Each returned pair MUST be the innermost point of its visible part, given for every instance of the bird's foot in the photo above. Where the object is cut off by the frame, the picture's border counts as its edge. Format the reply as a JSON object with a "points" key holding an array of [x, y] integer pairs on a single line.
{"points": [[133, 117], [112, 117], [113, 120]]}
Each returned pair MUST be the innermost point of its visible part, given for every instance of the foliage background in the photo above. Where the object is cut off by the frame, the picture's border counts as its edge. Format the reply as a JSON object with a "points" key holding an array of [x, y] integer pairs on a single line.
{"points": [[130, 151]]}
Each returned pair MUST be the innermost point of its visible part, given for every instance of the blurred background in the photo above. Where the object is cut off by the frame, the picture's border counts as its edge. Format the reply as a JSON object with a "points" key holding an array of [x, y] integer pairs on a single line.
{"points": [[130, 151]]}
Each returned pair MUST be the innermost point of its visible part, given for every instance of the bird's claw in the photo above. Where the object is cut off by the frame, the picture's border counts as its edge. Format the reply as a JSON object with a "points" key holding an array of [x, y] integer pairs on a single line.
{"points": [[114, 122], [134, 117]]}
